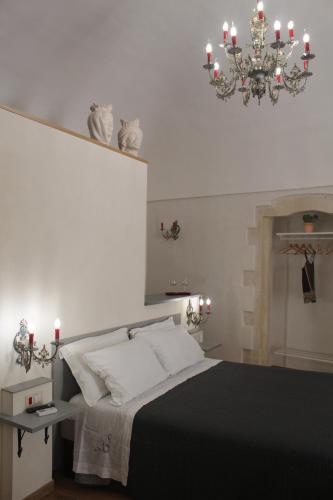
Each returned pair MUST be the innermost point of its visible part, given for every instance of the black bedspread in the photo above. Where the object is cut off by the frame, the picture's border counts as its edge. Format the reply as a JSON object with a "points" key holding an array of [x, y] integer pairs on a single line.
{"points": [[236, 432]]}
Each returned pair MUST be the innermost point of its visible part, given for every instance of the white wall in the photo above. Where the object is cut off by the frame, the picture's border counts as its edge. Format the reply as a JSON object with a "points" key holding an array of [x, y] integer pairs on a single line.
{"points": [[213, 251], [72, 239]]}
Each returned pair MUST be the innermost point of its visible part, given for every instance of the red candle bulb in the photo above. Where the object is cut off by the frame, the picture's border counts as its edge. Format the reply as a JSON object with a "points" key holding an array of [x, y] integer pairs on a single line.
{"points": [[209, 51], [306, 40], [57, 325], [277, 29], [233, 33], [201, 304], [31, 331], [209, 306], [225, 29], [260, 9], [278, 72], [216, 70], [291, 30]]}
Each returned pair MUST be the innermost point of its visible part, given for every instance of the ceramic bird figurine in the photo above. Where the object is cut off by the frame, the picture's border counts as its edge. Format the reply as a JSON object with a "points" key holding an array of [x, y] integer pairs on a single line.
{"points": [[100, 123]]}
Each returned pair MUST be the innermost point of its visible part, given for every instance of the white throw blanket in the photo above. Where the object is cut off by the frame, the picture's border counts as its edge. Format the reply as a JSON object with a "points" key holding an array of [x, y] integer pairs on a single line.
{"points": [[103, 433]]}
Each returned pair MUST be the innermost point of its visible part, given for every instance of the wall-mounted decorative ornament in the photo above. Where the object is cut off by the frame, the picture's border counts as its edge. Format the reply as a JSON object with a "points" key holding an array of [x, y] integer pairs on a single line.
{"points": [[130, 137], [200, 317], [25, 346], [173, 232], [100, 123]]}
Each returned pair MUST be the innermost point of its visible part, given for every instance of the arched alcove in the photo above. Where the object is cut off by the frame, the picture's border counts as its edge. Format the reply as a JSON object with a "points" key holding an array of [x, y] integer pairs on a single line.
{"points": [[265, 216]]}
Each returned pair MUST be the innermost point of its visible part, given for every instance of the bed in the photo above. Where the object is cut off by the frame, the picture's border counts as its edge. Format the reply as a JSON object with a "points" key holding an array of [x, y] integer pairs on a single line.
{"points": [[232, 431]]}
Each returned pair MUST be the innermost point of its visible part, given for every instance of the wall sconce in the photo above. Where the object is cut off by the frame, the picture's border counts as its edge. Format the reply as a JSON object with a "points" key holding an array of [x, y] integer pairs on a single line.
{"points": [[198, 318], [173, 232], [26, 348]]}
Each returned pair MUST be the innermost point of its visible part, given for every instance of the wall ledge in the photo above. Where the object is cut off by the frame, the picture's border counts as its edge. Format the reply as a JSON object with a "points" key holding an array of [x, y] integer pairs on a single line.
{"points": [[69, 132], [161, 298]]}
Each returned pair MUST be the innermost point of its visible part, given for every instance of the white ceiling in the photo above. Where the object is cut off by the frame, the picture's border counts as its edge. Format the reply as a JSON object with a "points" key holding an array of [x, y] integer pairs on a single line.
{"points": [[145, 57]]}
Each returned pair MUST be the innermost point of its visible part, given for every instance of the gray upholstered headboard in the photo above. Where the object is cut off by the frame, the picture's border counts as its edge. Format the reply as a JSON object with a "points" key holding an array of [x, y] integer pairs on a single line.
{"points": [[64, 384]]}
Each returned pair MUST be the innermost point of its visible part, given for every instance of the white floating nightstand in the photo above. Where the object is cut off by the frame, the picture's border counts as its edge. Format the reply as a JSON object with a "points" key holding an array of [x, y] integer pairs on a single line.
{"points": [[25, 473], [30, 422], [211, 347], [199, 336]]}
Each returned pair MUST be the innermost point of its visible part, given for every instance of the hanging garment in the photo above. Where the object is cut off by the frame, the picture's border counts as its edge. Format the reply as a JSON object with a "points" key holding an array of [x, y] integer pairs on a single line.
{"points": [[308, 280]]}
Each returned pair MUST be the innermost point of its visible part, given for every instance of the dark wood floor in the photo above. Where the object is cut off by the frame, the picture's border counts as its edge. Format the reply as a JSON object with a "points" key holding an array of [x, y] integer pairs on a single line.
{"points": [[66, 489]]}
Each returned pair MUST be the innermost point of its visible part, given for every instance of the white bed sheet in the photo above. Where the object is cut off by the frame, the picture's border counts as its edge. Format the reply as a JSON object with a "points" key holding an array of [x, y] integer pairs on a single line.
{"points": [[103, 432]]}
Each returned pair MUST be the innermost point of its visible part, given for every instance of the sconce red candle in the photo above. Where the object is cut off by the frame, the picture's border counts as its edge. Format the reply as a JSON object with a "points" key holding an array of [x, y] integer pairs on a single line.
{"points": [[201, 303], [57, 325], [209, 306], [31, 331], [162, 226]]}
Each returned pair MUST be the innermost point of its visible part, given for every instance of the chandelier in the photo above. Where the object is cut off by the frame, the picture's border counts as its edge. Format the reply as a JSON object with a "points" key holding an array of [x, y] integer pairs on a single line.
{"points": [[263, 71]]}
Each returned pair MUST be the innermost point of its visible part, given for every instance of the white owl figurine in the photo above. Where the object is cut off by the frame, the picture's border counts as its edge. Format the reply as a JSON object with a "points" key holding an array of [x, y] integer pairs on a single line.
{"points": [[130, 137], [100, 122]]}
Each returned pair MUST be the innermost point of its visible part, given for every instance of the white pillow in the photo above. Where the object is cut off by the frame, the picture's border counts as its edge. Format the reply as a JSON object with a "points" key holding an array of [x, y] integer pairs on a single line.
{"points": [[176, 349], [128, 369], [160, 325], [92, 387]]}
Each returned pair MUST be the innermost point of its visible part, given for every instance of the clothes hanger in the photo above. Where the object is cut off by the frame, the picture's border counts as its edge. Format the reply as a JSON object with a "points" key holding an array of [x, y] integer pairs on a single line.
{"points": [[303, 248], [311, 250], [285, 250], [291, 249]]}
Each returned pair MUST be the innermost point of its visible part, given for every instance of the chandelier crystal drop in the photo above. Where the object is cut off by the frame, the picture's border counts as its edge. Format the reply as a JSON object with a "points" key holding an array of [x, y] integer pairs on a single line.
{"points": [[264, 70]]}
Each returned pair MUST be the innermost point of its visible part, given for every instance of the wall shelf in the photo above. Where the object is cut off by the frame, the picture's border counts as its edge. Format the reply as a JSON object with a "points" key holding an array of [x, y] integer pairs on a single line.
{"points": [[306, 355], [161, 298], [31, 422], [306, 236]]}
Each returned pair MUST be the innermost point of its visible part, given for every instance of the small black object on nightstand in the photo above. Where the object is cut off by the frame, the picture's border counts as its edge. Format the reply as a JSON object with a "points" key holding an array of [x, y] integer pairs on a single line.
{"points": [[33, 409]]}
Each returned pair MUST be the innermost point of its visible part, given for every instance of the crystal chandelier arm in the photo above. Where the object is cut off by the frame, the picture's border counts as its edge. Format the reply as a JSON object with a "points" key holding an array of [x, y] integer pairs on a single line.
{"points": [[295, 82], [246, 97], [272, 62], [274, 93], [232, 58], [227, 53], [238, 65], [295, 88], [226, 88], [292, 45]]}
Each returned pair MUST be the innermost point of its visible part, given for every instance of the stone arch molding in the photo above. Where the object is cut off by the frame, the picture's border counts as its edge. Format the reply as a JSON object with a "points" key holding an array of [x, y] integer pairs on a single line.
{"points": [[263, 239]]}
